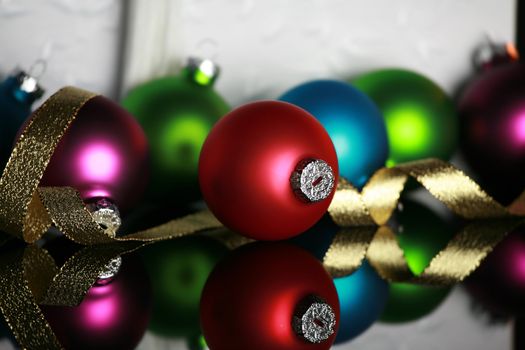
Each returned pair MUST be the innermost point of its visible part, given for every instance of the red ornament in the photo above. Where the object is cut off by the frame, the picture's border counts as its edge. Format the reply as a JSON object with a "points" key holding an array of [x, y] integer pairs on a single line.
{"points": [[261, 297], [268, 170], [103, 154], [113, 315]]}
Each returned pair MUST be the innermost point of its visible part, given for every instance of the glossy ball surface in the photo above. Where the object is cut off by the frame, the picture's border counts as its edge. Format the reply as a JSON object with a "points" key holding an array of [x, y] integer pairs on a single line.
{"points": [[111, 316], [499, 282], [178, 270], [363, 296], [353, 122], [249, 299], [492, 115], [420, 118], [104, 153], [177, 114], [409, 302], [246, 164]]}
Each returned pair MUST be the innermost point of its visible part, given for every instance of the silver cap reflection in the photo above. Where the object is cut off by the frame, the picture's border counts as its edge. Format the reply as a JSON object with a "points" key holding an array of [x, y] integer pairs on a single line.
{"points": [[314, 320], [111, 269]]}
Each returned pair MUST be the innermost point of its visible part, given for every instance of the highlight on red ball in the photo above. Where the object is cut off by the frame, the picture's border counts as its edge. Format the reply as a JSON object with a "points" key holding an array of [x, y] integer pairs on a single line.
{"points": [[268, 170]]}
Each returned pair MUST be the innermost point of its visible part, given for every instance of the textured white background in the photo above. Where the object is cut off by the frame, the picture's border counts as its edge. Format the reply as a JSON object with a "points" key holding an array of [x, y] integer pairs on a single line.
{"points": [[265, 47]]}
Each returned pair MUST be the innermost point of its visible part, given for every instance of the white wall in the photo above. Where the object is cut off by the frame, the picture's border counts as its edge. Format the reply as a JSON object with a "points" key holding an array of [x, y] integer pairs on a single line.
{"points": [[265, 47], [78, 39]]}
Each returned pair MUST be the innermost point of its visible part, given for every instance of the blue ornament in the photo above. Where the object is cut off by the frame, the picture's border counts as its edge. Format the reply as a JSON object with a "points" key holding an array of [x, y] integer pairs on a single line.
{"points": [[362, 297], [352, 120], [17, 94]]}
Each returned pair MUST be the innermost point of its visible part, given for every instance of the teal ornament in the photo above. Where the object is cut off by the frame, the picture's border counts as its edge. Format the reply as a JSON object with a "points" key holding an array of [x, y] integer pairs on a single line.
{"points": [[353, 122], [18, 92]]}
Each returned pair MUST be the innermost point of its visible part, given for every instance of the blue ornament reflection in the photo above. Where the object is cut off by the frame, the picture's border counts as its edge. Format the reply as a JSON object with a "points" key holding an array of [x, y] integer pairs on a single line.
{"points": [[362, 297], [352, 120]]}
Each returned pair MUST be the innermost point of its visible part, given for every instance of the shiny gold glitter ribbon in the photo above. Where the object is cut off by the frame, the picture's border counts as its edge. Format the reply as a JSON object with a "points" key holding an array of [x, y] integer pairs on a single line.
{"points": [[375, 204], [29, 276]]}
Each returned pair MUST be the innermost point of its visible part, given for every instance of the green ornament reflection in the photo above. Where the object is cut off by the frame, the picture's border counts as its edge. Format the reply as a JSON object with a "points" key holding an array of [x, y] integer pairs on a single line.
{"points": [[177, 113], [197, 343], [420, 118], [178, 270], [422, 235]]}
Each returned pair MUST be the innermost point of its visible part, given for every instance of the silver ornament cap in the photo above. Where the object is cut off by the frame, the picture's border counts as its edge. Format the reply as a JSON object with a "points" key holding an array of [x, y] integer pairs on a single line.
{"points": [[314, 319], [106, 214], [312, 180], [203, 71]]}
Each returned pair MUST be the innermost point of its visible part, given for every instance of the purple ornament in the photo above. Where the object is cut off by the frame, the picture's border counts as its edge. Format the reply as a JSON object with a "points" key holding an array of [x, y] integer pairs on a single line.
{"points": [[113, 314], [499, 282], [492, 112], [103, 154]]}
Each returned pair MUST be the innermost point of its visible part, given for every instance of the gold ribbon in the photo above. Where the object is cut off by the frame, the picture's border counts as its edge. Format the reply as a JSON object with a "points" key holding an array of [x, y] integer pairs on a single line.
{"points": [[27, 211], [379, 198]]}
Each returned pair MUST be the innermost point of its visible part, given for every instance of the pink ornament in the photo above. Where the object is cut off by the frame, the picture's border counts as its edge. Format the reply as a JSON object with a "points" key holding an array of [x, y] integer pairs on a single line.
{"points": [[103, 154]]}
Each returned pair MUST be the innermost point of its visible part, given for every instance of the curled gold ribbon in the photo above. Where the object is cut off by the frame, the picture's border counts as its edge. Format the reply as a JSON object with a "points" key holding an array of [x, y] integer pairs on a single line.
{"points": [[27, 211], [377, 202]]}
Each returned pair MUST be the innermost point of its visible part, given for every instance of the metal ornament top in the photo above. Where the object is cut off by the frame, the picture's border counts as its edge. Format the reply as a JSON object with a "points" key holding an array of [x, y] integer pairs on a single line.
{"points": [[107, 215], [313, 180]]}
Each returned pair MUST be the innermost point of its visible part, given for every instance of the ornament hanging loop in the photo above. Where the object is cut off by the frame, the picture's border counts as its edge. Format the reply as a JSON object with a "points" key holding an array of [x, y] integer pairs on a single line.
{"points": [[202, 71], [38, 68], [490, 53]]}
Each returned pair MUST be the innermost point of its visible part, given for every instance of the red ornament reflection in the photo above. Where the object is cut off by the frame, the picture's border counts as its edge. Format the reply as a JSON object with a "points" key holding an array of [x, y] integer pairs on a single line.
{"points": [[250, 298]]}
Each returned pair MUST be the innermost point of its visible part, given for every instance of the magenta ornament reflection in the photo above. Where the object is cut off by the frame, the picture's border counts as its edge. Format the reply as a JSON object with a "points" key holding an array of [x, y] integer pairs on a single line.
{"points": [[113, 315], [499, 282], [103, 154], [492, 112]]}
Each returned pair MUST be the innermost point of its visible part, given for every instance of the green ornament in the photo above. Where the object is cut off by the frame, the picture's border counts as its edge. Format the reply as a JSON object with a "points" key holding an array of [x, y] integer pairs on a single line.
{"points": [[178, 270], [422, 235], [420, 118], [177, 113]]}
